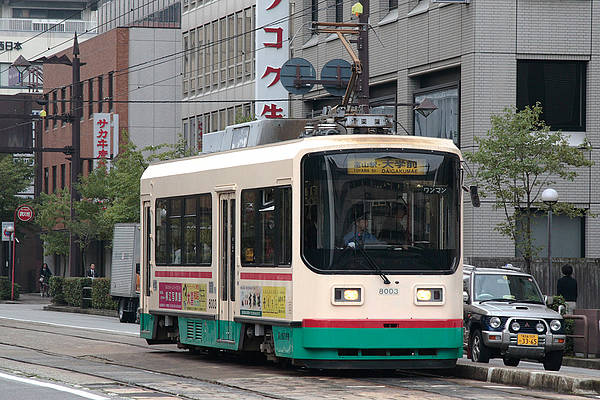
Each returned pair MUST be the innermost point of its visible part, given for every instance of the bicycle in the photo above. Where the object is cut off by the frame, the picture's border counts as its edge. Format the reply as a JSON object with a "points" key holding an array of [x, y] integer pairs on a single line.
{"points": [[44, 288]]}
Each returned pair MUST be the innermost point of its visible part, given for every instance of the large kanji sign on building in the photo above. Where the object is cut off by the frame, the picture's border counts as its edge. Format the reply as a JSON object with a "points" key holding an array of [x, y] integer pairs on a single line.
{"points": [[272, 50], [106, 137]]}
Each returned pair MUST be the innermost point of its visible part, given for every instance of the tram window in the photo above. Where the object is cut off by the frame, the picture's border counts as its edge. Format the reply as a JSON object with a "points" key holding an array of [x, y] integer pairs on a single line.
{"points": [[161, 231], [266, 226], [184, 230]]}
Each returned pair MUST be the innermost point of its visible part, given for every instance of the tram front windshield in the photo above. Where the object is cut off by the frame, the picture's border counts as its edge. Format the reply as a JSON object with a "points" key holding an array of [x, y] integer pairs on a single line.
{"points": [[377, 211]]}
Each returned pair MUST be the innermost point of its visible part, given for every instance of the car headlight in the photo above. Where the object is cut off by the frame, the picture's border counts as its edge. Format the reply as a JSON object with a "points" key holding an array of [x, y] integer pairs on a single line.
{"points": [[515, 326], [540, 327], [495, 322], [555, 325]]}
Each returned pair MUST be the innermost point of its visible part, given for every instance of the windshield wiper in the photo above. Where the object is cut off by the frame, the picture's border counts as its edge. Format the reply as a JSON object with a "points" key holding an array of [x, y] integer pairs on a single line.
{"points": [[370, 262], [527, 301]]}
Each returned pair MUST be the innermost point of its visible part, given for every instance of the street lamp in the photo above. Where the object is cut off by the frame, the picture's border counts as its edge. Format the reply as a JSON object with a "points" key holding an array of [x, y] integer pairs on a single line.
{"points": [[549, 197], [74, 119], [10, 229]]}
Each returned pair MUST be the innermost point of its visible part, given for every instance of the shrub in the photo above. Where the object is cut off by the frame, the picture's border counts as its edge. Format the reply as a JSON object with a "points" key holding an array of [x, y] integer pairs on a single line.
{"points": [[5, 289], [569, 323], [56, 289], [101, 297], [73, 290]]}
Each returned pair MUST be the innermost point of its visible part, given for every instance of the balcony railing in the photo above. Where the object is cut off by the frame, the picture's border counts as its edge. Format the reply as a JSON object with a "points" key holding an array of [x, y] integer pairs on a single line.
{"points": [[51, 25]]}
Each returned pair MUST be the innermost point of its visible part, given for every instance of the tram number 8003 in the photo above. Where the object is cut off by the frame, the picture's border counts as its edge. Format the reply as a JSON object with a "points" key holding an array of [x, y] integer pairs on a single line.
{"points": [[386, 291]]}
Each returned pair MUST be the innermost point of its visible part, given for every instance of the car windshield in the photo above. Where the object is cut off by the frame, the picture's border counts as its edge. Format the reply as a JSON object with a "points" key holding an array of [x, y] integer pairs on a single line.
{"points": [[506, 288], [380, 210]]}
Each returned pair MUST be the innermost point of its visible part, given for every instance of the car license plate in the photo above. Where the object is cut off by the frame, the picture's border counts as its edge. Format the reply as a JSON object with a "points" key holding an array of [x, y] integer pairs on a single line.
{"points": [[527, 340]]}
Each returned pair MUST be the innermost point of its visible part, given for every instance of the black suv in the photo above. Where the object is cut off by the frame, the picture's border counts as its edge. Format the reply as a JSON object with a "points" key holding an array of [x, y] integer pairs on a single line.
{"points": [[505, 315]]}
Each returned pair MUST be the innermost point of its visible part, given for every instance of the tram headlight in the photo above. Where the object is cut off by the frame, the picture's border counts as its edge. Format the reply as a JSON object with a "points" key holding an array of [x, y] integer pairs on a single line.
{"points": [[424, 295], [351, 294], [347, 296], [429, 295]]}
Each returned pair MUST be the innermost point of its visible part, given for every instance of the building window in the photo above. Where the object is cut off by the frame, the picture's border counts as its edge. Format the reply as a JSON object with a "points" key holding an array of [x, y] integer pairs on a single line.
{"points": [[46, 178], [568, 235], [559, 86], [100, 95], [339, 10], [314, 10], [54, 107], [46, 100], [62, 175], [54, 179], [63, 100], [90, 98], [110, 91], [392, 4], [266, 226], [443, 122]]}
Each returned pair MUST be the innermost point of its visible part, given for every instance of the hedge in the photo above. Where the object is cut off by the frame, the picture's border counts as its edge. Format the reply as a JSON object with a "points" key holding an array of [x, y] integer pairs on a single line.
{"points": [[101, 297], [69, 291], [73, 290], [5, 289], [56, 289]]}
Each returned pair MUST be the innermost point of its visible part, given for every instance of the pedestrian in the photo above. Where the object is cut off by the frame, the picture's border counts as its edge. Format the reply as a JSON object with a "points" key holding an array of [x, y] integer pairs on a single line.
{"points": [[567, 287], [92, 273], [45, 275]]}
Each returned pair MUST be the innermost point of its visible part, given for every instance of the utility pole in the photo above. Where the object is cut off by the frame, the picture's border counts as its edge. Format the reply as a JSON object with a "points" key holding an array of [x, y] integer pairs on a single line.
{"points": [[76, 109], [363, 55]]}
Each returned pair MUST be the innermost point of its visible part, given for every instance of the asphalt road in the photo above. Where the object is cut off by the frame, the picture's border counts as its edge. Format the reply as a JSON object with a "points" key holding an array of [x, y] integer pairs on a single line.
{"points": [[100, 356]]}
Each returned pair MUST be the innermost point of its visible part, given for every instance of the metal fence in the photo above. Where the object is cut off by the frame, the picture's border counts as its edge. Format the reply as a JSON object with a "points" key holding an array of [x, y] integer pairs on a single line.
{"points": [[585, 270]]}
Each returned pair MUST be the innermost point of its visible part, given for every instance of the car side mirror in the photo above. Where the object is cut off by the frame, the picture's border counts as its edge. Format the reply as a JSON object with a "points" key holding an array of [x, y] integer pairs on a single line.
{"points": [[465, 296], [548, 300]]}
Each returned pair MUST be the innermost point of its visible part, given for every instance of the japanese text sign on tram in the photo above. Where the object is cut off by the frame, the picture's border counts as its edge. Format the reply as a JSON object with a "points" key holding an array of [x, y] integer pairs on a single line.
{"points": [[25, 213], [105, 137], [385, 166], [272, 51]]}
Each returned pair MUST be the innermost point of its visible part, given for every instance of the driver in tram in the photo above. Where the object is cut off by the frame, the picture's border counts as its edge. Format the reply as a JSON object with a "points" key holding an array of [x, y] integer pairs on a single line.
{"points": [[359, 232]]}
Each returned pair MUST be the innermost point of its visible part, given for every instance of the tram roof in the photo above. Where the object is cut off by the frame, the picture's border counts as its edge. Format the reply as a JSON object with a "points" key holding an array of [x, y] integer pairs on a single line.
{"points": [[288, 149]]}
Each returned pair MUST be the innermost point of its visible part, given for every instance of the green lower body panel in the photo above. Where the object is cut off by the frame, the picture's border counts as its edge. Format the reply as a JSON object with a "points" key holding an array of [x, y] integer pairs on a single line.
{"points": [[209, 333], [147, 326], [325, 347]]}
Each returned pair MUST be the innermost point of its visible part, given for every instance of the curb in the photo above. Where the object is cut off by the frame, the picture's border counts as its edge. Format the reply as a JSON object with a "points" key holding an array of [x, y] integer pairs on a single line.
{"points": [[589, 363], [91, 311], [547, 381]]}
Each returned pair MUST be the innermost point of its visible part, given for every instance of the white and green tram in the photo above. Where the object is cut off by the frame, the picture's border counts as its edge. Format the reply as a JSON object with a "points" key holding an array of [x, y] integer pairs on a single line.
{"points": [[333, 251]]}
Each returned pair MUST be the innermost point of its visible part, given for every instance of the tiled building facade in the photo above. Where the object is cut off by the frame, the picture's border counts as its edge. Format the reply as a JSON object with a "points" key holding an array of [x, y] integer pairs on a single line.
{"points": [[472, 60]]}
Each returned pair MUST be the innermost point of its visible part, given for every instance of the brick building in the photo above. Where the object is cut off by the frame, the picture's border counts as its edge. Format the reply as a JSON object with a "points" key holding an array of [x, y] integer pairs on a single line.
{"points": [[125, 72]]}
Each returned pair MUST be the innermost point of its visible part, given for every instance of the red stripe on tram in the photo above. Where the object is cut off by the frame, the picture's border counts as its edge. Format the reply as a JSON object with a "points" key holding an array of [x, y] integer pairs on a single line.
{"points": [[265, 276], [382, 323], [182, 274]]}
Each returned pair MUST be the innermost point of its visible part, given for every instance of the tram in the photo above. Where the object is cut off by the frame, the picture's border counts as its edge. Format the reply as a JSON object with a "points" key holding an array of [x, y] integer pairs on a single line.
{"points": [[326, 250]]}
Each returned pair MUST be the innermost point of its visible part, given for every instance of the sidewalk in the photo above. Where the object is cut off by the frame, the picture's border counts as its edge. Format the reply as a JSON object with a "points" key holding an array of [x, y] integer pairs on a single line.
{"points": [[35, 298]]}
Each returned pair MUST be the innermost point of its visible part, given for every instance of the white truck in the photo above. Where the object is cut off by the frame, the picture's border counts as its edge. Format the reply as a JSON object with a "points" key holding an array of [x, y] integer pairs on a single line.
{"points": [[125, 272]]}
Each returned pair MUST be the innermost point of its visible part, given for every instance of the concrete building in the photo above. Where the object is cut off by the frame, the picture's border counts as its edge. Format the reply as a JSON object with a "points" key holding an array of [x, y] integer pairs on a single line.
{"points": [[35, 29], [471, 59], [129, 72]]}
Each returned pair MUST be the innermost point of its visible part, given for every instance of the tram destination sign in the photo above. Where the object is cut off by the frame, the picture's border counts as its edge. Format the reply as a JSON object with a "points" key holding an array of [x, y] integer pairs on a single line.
{"points": [[385, 166]]}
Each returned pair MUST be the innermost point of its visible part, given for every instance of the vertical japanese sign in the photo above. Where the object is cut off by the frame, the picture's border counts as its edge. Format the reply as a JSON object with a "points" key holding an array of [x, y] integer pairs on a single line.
{"points": [[272, 50], [106, 138]]}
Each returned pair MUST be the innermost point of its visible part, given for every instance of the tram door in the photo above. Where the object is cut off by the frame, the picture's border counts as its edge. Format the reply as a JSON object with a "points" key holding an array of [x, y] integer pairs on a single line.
{"points": [[226, 265]]}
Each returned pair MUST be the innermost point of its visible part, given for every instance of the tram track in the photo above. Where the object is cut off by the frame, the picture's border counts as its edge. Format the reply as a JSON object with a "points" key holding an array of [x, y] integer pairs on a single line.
{"points": [[88, 364]]}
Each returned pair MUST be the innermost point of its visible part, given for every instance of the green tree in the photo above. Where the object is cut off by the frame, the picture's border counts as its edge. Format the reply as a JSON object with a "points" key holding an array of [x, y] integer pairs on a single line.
{"points": [[108, 196], [16, 174], [517, 159]]}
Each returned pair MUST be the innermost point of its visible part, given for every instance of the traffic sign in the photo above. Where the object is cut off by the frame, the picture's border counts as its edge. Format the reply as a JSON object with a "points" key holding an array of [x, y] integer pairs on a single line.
{"points": [[5, 233], [25, 213]]}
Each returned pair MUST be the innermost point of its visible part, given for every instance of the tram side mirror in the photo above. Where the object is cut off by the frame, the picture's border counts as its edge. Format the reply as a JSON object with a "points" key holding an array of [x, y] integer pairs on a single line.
{"points": [[473, 191], [465, 296]]}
